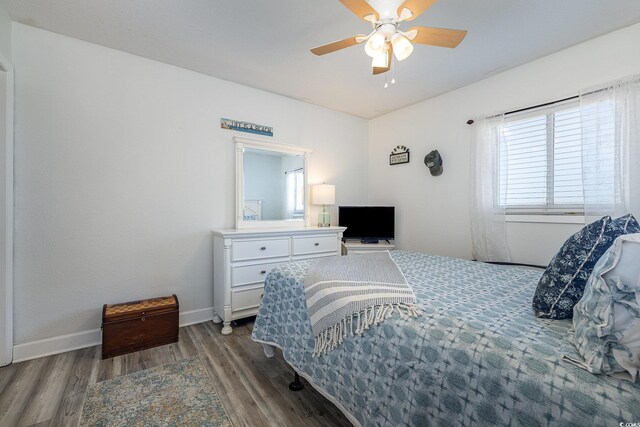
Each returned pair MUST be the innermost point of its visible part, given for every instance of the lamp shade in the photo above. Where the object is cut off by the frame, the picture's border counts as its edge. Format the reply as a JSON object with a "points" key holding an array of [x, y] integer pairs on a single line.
{"points": [[381, 60], [375, 44], [323, 194], [402, 47]]}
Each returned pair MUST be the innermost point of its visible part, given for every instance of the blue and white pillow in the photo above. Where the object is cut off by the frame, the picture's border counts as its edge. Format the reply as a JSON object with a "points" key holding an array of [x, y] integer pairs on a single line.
{"points": [[628, 223], [607, 318], [562, 284]]}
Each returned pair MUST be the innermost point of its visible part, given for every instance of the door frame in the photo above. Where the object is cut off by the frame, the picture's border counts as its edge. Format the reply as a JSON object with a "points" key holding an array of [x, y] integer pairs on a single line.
{"points": [[6, 228]]}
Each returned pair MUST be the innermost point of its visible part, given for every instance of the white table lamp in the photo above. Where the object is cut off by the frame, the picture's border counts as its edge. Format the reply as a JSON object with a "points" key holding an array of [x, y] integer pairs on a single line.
{"points": [[323, 194]]}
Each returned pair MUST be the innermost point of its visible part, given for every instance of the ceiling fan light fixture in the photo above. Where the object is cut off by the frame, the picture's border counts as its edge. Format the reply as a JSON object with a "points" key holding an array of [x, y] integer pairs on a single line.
{"points": [[375, 44], [402, 47], [385, 17], [381, 60]]}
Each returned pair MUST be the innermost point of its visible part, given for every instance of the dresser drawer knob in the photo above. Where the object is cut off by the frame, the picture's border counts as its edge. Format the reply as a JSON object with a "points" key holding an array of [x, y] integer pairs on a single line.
{"points": [[263, 272], [317, 244], [264, 248]]}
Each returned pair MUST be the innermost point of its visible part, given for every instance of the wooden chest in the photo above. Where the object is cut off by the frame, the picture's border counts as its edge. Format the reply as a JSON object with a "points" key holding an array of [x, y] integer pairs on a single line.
{"points": [[138, 325]]}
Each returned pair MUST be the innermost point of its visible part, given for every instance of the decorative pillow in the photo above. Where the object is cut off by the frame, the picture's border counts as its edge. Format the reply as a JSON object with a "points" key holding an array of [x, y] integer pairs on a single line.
{"points": [[607, 318], [628, 223], [562, 284]]}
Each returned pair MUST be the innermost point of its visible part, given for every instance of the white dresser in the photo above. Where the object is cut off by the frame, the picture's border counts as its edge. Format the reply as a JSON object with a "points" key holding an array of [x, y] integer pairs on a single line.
{"points": [[242, 258]]}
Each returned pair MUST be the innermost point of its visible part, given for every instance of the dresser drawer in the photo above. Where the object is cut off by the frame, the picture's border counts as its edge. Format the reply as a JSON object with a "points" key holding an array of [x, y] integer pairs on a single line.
{"points": [[251, 273], [257, 249], [243, 299], [312, 245]]}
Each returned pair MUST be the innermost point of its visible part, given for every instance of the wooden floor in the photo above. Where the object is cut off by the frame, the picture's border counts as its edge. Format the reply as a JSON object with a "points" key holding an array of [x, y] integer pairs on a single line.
{"points": [[253, 389]]}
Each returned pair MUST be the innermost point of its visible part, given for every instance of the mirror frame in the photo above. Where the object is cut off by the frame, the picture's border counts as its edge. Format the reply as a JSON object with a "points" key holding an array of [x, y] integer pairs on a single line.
{"points": [[242, 143]]}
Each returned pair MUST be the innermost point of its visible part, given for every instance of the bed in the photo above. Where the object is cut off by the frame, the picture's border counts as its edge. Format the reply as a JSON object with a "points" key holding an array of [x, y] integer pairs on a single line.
{"points": [[476, 356]]}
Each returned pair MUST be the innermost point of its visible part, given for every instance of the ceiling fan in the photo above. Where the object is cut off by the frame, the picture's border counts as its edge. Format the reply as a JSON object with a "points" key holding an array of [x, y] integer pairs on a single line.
{"points": [[386, 38]]}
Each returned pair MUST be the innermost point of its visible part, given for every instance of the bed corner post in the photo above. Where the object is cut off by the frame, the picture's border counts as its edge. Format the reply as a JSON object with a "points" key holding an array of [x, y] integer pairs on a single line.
{"points": [[296, 385]]}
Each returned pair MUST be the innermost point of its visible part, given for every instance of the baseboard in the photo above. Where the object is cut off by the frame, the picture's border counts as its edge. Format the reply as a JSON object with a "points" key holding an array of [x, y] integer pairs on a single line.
{"points": [[84, 339], [55, 345], [196, 316]]}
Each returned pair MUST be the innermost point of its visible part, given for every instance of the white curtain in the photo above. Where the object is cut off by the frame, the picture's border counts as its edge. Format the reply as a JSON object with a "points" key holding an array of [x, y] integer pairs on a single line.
{"points": [[610, 126], [488, 228]]}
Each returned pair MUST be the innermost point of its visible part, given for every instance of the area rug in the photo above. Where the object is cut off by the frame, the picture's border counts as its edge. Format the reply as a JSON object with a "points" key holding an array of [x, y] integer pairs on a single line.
{"points": [[178, 394]]}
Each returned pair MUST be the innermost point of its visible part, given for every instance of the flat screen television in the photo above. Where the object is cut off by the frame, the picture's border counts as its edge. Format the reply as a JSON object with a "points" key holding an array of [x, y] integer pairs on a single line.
{"points": [[367, 223]]}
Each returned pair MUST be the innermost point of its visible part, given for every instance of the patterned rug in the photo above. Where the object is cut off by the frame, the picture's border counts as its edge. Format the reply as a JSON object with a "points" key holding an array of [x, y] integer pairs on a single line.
{"points": [[178, 394]]}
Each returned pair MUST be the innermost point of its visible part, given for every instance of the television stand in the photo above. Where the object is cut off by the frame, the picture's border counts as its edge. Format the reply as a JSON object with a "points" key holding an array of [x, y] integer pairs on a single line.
{"points": [[369, 241], [357, 247]]}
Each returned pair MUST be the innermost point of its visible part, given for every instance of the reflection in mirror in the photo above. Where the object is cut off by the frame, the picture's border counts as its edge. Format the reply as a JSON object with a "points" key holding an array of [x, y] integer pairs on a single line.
{"points": [[273, 185], [270, 184]]}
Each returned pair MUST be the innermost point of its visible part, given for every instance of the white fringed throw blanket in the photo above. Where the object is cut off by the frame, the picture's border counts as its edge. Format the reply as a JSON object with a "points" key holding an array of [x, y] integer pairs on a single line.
{"points": [[348, 294]]}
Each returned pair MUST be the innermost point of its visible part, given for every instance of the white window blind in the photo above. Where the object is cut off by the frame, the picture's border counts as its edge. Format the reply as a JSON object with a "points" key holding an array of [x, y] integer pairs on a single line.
{"points": [[540, 164], [567, 159], [523, 163]]}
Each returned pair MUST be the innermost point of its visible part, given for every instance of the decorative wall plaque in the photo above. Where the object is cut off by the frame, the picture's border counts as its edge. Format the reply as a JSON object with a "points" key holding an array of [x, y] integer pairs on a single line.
{"points": [[399, 155], [246, 127]]}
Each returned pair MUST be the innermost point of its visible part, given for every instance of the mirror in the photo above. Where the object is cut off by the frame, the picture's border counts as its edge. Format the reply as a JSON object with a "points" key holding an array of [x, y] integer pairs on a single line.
{"points": [[271, 184]]}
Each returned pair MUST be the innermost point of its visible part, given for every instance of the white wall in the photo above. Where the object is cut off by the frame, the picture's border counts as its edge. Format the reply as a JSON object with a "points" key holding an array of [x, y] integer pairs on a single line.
{"points": [[5, 34], [122, 170], [433, 212], [6, 190]]}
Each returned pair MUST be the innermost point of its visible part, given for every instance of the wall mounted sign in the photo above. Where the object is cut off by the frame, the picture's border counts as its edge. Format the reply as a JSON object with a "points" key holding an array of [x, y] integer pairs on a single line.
{"points": [[246, 127], [399, 155]]}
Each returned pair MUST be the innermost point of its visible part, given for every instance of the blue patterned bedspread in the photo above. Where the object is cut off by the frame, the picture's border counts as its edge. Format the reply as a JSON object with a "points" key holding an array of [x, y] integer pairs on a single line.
{"points": [[476, 356]]}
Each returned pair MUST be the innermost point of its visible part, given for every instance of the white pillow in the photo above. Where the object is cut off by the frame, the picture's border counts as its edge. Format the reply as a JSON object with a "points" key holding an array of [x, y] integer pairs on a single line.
{"points": [[607, 318]]}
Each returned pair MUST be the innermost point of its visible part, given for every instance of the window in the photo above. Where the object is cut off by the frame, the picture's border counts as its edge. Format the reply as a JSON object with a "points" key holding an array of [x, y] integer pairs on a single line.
{"points": [[540, 160], [295, 192]]}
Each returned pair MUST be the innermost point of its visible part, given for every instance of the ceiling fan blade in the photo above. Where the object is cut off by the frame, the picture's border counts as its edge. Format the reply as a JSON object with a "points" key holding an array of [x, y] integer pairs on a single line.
{"points": [[410, 35], [380, 70], [377, 71], [362, 38], [416, 7], [340, 44], [361, 8], [443, 37]]}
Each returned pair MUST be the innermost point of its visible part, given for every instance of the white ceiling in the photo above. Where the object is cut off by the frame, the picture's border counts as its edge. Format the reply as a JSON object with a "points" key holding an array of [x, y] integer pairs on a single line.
{"points": [[265, 43]]}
